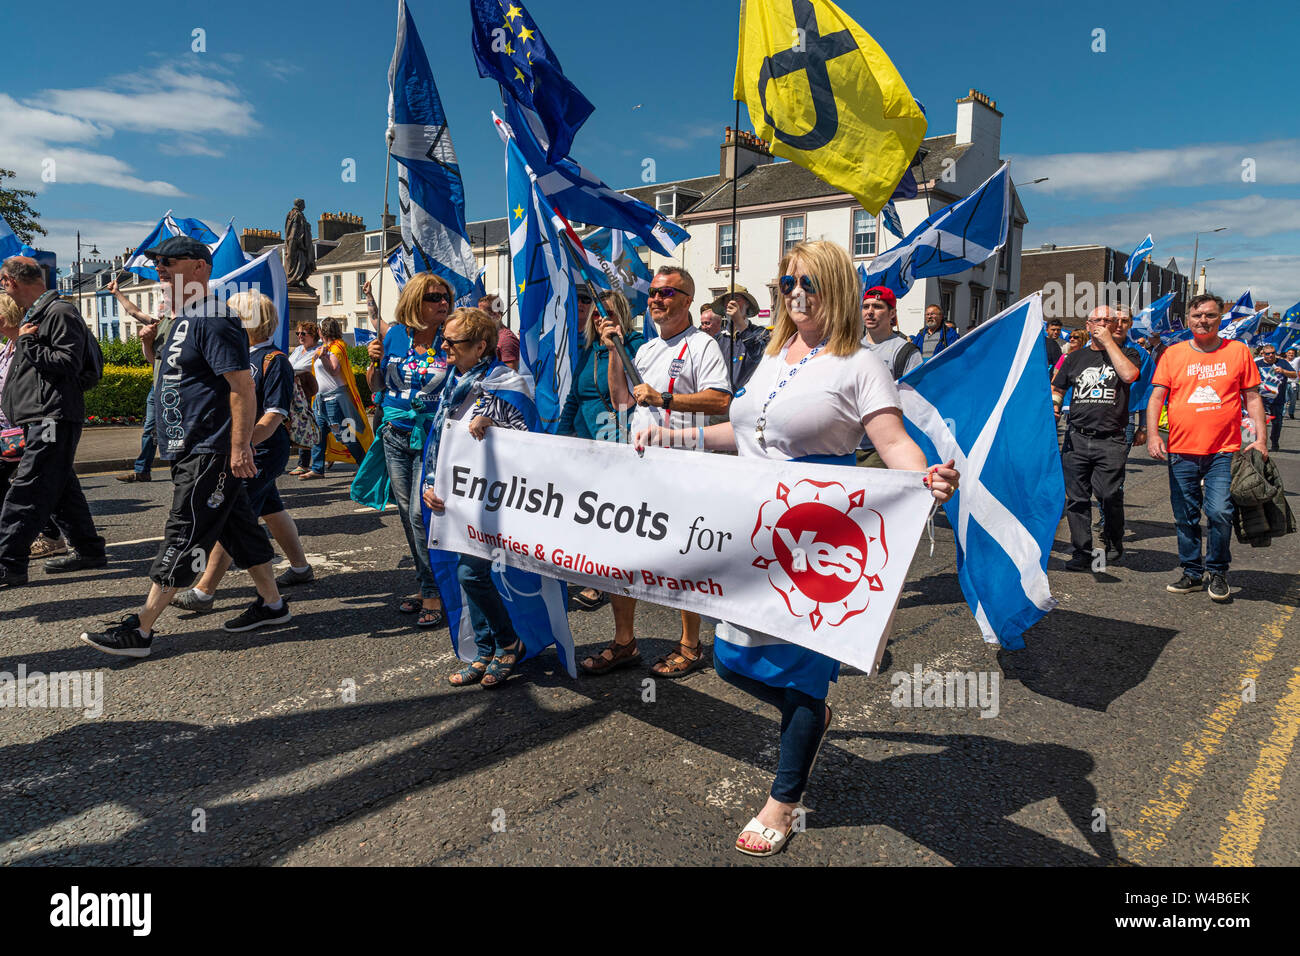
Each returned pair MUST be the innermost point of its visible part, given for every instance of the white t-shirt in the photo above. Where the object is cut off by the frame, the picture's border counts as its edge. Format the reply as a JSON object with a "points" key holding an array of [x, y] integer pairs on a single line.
{"points": [[820, 409], [300, 358], [326, 383], [698, 364]]}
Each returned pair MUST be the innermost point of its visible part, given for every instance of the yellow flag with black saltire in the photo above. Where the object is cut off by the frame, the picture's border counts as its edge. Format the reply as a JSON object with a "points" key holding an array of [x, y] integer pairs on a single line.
{"points": [[826, 96]]}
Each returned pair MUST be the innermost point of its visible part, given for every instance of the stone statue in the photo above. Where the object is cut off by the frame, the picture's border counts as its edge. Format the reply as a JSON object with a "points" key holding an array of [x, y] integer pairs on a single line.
{"points": [[299, 251]]}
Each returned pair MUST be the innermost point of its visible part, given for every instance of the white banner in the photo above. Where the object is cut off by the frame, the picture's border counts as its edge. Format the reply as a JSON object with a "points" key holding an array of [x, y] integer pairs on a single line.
{"points": [[814, 554]]}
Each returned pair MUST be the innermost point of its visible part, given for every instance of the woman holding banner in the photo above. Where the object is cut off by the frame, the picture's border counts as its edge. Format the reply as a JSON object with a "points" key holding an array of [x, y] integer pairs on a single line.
{"points": [[589, 412], [409, 362], [486, 393], [811, 399]]}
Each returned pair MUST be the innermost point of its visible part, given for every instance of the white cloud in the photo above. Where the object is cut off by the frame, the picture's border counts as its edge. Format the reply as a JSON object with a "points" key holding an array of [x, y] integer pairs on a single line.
{"points": [[1114, 173], [111, 237], [1252, 216], [62, 133], [1271, 279]]}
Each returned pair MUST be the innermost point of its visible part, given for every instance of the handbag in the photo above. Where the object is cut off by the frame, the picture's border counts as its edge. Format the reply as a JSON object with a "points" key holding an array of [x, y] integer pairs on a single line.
{"points": [[301, 423], [12, 442]]}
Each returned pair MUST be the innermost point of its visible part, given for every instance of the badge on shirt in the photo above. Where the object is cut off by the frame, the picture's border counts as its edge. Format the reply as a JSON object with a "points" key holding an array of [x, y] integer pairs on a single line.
{"points": [[675, 367]]}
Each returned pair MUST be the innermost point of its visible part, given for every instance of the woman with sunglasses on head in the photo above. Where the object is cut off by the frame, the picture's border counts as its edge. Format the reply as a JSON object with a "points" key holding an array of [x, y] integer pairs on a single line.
{"points": [[814, 395], [590, 411], [338, 414], [410, 364], [302, 359], [483, 391]]}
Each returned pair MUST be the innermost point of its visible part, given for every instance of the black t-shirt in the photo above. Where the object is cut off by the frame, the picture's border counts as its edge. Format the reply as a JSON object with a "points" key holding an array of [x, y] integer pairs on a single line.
{"points": [[1100, 399], [274, 389], [192, 398], [1053, 352]]}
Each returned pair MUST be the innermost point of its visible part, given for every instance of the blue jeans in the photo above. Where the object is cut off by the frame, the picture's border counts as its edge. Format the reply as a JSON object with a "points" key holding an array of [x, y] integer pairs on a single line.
{"points": [[334, 413], [404, 466], [803, 720], [493, 631], [148, 440], [1186, 472]]}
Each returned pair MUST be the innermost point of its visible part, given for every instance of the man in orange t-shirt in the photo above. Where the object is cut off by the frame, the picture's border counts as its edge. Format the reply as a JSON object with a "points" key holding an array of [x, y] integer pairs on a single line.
{"points": [[1205, 380]]}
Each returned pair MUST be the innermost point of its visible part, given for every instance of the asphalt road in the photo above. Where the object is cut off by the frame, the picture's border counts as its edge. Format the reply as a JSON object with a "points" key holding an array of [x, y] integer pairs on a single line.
{"points": [[1120, 735]]}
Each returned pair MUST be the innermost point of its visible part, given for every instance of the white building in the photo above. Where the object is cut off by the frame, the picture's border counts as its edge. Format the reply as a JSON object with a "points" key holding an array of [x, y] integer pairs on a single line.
{"points": [[781, 203]]}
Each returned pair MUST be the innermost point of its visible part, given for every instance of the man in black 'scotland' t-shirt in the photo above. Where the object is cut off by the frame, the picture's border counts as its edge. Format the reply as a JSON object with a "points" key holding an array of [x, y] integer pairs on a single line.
{"points": [[205, 409], [1095, 448]]}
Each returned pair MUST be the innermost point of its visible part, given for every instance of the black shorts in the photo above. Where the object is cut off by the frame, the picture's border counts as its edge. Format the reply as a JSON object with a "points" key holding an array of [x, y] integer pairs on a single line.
{"points": [[209, 504], [270, 457]]}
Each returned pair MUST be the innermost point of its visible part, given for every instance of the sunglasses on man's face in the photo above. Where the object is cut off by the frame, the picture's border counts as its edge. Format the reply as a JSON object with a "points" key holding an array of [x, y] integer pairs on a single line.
{"points": [[807, 283], [437, 297], [167, 261], [667, 292]]}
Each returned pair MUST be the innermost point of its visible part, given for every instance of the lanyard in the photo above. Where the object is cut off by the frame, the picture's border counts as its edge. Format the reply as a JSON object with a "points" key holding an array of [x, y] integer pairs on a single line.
{"points": [[761, 423], [39, 304], [673, 371]]}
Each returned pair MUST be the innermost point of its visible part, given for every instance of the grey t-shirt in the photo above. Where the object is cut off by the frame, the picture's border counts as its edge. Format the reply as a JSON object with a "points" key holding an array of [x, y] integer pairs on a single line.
{"points": [[886, 352]]}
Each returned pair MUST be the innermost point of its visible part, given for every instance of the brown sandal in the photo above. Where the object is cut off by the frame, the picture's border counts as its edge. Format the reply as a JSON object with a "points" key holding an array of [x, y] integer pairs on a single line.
{"points": [[621, 655], [677, 664]]}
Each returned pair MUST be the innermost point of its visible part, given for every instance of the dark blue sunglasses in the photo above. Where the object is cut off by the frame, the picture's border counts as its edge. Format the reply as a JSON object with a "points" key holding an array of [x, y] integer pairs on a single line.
{"points": [[806, 282]]}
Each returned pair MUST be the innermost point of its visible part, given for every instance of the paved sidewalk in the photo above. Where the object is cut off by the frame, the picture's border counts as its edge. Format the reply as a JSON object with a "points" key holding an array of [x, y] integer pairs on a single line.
{"points": [[106, 448]]}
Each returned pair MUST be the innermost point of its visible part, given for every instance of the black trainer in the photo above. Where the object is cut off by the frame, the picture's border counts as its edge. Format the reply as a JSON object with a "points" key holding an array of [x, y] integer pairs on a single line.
{"points": [[259, 615], [123, 638], [72, 561], [11, 579], [1186, 585], [1115, 555], [1219, 588], [1080, 562]]}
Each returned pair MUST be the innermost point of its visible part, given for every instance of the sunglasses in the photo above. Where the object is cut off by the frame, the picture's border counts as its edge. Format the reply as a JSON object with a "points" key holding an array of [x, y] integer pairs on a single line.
{"points": [[807, 283], [437, 297], [168, 261], [457, 341], [667, 292], [585, 300]]}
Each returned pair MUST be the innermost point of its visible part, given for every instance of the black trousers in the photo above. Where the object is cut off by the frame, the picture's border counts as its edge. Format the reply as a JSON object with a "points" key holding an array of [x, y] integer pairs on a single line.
{"points": [[7, 469], [43, 486], [1094, 466], [1277, 410]]}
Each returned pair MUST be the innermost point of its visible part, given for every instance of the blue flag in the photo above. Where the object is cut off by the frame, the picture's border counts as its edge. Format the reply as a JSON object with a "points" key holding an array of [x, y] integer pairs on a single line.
{"points": [[1244, 308], [9, 244], [985, 402], [1243, 329], [1287, 333], [544, 290], [954, 239], [167, 227], [1135, 258], [431, 195], [227, 254], [397, 265], [889, 215], [1140, 391], [616, 263], [580, 196], [1154, 318], [537, 605], [509, 48], [265, 274], [476, 292]]}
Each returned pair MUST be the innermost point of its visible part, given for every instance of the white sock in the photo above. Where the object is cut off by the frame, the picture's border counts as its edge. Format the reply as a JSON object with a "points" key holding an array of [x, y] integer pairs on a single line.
{"points": [[203, 594], [143, 633], [279, 603], [304, 568]]}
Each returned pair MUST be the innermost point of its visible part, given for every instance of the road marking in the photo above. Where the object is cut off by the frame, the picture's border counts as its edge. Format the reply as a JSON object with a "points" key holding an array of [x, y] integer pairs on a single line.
{"points": [[1160, 814], [1246, 823], [122, 544]]}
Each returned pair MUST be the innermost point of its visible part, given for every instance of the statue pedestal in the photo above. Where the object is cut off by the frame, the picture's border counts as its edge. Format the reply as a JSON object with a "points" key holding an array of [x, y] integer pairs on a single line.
{"points": [[302, 306]]}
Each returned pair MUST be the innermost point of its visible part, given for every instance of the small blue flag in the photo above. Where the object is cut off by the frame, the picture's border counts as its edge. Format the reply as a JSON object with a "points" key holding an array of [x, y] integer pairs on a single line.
{"points": [[167, 227], [265, 274], [9, 244], [1135, 258]]}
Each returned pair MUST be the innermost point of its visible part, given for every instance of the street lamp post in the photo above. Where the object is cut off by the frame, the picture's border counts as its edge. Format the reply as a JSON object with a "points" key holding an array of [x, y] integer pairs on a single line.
{"points": [[1191, 278]]}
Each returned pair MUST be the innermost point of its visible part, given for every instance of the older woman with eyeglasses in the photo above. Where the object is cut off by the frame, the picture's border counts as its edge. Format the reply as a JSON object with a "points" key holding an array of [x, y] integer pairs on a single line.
{"points": [[409, 362], [814, 395]]}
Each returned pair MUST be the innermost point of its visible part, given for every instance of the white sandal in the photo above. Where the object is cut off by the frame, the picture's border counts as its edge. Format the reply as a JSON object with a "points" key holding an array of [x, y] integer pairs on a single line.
{"points": [[775, 838]]}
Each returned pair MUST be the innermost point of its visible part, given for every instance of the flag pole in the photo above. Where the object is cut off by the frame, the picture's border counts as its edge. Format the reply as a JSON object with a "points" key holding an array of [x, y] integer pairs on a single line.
{"points": [[735, 243], [383, 224]]}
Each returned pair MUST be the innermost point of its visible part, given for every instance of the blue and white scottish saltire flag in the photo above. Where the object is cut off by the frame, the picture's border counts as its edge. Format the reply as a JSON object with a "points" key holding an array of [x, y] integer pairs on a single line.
{"points": [[954, 239], [509, 48], [985, 403], [1139, 392], [1173, 338], [476, 292], [615, 261], [1243, 308], [1154, 318], [265, 274], [167, 227], [580, 195], [1135, 258], [397, 265], [889, 216], [362, 336], [545, 292], [227, 255], [430, 193], [538, 606], [1243, 329], [9, 244]]}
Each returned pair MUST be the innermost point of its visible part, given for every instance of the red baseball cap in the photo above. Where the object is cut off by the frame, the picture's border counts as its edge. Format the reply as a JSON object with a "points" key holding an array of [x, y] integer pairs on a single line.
{"points": [[884, 295]]}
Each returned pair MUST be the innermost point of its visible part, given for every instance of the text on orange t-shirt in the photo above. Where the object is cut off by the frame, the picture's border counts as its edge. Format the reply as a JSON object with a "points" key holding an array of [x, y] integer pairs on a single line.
{"points": [[1205, 395]]}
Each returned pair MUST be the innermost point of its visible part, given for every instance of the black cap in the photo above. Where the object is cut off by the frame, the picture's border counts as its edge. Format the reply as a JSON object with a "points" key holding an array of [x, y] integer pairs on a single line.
{"points": [[179, 247]]}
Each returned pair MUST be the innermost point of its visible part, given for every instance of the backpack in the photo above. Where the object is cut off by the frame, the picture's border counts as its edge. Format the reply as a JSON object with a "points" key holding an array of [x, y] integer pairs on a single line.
{"points": [[92, 369], [903, 356], [303, 430]]}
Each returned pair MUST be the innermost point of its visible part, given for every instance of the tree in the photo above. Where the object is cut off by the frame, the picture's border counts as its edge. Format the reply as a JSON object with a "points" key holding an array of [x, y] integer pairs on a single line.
{"points": [[22, 218]]}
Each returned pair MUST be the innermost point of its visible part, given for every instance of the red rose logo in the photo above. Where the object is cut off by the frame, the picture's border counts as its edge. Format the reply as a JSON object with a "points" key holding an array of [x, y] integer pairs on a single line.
{"points": [[822, 548]]}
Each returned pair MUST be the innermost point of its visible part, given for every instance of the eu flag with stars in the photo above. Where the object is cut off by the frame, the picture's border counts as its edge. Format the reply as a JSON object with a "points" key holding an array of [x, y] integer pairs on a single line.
{"points": [[510, 49]]}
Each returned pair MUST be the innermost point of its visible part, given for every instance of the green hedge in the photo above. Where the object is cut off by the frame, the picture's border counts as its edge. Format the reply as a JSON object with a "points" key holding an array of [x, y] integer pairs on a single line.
{"points": [[128, 354], [123, 391]]}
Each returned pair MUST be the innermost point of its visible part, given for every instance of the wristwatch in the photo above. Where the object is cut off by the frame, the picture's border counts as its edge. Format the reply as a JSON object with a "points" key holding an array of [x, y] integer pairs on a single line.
{"points": [[668, 401]]}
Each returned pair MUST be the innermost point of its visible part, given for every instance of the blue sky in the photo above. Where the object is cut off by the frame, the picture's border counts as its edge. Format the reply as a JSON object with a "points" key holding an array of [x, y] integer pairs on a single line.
{"points": [[1148, 136]]}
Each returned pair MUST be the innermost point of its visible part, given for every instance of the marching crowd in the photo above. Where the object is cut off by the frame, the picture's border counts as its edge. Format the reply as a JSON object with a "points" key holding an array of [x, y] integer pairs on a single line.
{"points": [[226, 409]]}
